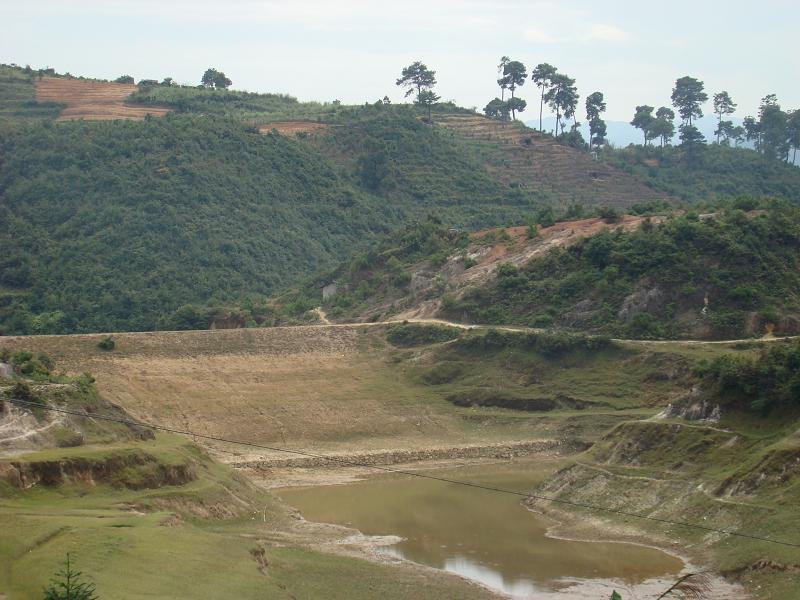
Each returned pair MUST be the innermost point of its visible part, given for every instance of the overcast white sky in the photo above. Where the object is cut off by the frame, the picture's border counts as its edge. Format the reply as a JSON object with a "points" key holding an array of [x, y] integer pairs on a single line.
{"points": [[353, 50]]}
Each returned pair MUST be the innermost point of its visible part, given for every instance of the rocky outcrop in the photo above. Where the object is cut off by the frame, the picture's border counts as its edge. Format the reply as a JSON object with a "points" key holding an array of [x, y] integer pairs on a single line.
{"points": [[644, 299], [692, 407]]}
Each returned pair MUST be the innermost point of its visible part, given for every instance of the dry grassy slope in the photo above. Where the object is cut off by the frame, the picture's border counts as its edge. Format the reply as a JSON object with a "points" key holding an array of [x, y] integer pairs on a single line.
{"points": [[536, 162], [317, 388], [93, 100]]}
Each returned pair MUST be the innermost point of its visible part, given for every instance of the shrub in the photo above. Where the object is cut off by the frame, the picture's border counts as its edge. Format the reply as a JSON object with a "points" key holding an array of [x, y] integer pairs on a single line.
{"points": [[69, 584], [21, 390], [770, 380], [507, 270], [418, 334], [609, 214], [35, 367], [549, 344], [107, 343]]}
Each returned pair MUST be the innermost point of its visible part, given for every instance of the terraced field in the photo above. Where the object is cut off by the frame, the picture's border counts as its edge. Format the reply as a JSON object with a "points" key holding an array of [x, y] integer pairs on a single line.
{"points": [[93, 100], [537, 163]]}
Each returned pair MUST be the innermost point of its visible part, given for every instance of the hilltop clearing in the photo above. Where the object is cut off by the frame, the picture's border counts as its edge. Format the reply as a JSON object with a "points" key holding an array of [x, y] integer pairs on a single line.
{"points": [[92, 100]]}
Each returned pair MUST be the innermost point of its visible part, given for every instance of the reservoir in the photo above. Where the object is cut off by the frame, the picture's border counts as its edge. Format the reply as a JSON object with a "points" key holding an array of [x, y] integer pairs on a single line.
{"points": [[482, 535]]}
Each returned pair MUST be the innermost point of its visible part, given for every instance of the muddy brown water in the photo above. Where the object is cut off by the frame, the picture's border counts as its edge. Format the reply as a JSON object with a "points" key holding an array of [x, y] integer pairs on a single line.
{"points": [[485, 536]]}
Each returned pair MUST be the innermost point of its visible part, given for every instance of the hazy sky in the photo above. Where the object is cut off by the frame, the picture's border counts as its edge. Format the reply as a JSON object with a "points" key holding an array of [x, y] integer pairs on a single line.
{"points": [[352, 50]]}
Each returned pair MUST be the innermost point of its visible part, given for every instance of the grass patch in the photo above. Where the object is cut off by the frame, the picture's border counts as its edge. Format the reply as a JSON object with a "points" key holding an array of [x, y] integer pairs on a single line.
{"points": [[416, 334]]}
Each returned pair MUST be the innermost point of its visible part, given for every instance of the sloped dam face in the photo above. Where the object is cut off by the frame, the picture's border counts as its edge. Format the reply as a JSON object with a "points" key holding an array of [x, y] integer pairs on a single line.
{"points": [[482, 535]]}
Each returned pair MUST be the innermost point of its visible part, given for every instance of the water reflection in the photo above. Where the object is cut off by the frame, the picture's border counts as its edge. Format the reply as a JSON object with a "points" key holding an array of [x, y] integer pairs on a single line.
{"points": [[485, 536]]}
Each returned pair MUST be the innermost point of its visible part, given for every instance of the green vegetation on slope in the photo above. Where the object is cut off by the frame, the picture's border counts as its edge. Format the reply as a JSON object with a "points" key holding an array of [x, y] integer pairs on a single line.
{"points": [[376, 275], [114, 225], [246, 106], [393, 153], [711, 173], [18, 98], [653, 282], [770, 380], [105, 226]]}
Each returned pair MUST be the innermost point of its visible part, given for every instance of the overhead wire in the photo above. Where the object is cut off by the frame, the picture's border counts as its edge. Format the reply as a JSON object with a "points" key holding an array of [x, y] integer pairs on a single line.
{"points": [[355, 463]]}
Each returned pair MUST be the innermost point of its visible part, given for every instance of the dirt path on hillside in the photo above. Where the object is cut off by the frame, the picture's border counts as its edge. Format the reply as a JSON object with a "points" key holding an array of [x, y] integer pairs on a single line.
{"points": [[521, 329]]}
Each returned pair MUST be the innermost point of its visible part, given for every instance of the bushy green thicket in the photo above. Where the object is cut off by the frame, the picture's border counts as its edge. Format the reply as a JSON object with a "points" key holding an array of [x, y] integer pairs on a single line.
{"points": [[550, 344], [107, 226], [18, 98], [713, 172], [28, 364], [419, 334], [744, 264], [769, 380], [115, 225]]}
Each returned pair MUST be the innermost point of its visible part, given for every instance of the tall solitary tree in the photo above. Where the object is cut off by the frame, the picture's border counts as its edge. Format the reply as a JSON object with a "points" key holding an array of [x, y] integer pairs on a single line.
{"points": [[420, 79], [215, 79], [723, 105], [542, 75], [595, 106], [643, 119], [687, 96], [416, 77]]}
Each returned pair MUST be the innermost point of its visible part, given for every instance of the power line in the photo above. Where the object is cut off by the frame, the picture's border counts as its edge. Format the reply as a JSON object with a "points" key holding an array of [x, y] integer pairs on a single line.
{"points": [[353, 463]]}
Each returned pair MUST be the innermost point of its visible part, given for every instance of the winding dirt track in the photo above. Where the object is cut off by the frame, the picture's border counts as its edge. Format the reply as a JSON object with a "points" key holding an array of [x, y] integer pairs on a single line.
{"points": [[520, 329]]}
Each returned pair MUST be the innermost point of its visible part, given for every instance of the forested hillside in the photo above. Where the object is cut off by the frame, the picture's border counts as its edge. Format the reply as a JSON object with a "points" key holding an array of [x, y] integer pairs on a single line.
{"points": [[110, 225], [113, 225]]}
